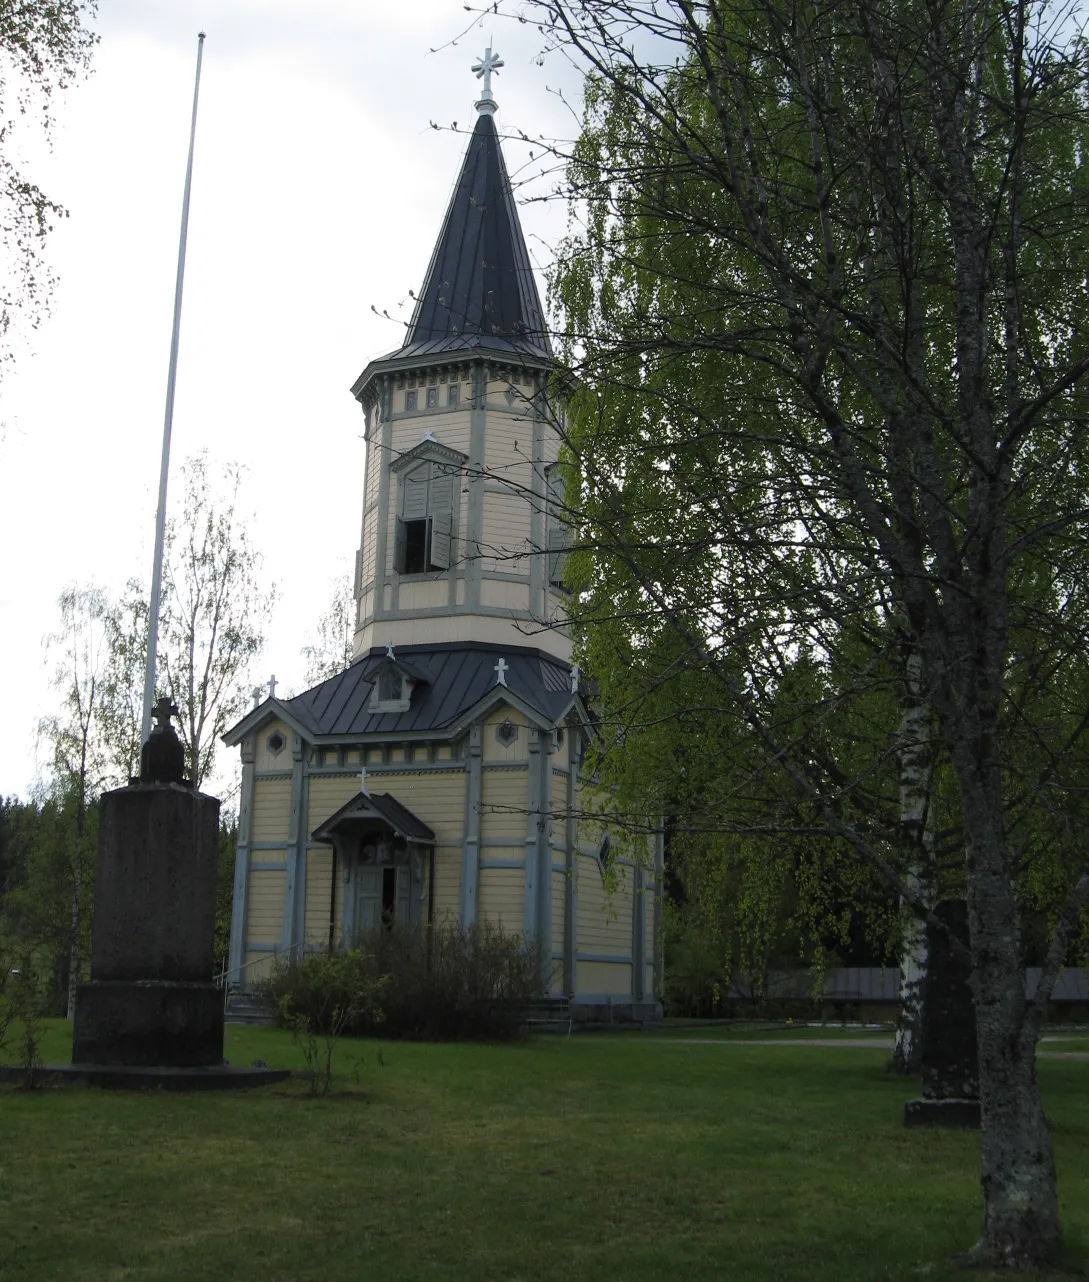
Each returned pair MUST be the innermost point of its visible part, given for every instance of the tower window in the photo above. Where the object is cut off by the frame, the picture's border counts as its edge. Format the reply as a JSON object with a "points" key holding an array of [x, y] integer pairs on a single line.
{"points": [[432, 397], [390, 685], [417, 546], [423, 532], [452, 393], [410, 400]]}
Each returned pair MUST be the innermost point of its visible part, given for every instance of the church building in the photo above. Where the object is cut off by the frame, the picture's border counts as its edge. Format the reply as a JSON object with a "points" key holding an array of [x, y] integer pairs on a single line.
{"points": [[439, 776]]}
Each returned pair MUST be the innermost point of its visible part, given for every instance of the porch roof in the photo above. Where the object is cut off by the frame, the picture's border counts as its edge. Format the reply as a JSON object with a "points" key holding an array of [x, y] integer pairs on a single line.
{"points": [[375, 810]]}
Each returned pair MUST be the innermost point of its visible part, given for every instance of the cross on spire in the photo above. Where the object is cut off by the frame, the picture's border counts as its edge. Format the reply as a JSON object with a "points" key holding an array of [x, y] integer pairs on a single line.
{"points": [[483, 69], [272, 686], [501, 669]]}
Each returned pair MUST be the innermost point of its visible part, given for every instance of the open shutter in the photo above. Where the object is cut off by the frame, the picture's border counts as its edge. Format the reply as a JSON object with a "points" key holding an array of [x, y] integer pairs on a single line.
{"points": [[400, 545], [440, 541], [415, 505]]}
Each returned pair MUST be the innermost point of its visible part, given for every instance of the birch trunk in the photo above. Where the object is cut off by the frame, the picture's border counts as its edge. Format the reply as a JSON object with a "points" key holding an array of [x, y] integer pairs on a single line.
{"points": [[917, 835]]}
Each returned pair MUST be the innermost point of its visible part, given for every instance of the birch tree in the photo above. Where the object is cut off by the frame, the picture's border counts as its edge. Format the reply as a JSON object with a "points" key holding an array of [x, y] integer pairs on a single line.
{"points": [[329, 651], [825, 291], [214, 612], [79, 649]]}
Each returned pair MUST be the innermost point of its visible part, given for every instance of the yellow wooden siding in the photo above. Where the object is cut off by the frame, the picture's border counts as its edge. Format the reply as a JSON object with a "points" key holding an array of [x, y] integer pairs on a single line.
{"points": [[430, 594], [271, 809], [493, 748], [501, 896], [447, 883], [436, 797], [264, 907], [506, 533], [604, 921], [263, 758], [327, 795], [559, 881], [257, 966], [505, 790], [607, 978], [319, 875]]}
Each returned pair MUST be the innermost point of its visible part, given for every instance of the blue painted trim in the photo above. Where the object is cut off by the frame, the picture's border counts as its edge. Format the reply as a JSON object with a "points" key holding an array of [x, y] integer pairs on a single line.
{"points": [[621, 959], [268, 866], [268, 845], [262, 948], [502, 863]]}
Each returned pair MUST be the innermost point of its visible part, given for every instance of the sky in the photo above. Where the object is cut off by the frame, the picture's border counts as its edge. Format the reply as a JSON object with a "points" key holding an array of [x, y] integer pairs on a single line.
{"points": [[319, 188]]}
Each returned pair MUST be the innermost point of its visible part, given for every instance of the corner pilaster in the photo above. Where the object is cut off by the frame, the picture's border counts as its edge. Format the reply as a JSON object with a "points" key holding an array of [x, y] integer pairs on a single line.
{"points": [[295, 876], [236, 955], [470, 850]]}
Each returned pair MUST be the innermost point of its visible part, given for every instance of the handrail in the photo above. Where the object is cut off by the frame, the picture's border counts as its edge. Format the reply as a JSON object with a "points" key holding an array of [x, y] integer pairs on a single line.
{"points": [[221, 981]]}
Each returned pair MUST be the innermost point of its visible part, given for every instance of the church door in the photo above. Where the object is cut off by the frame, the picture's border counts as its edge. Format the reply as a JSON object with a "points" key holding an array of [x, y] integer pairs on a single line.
{"points": [[368, 899]]}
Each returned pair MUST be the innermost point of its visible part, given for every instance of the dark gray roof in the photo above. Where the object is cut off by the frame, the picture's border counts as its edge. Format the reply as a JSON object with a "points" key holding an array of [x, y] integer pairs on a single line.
{"points": [[367, 810], [479, 290], [457, 677]]}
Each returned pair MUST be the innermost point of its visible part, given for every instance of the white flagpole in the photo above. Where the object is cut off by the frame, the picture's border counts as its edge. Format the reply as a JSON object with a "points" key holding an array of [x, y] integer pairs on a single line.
{"points": [[164, 469]]}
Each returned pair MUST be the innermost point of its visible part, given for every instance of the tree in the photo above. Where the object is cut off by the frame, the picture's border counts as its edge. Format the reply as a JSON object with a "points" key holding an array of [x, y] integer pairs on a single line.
{"points": [[330, 650], [44, 45], [827, 303], [214, 612], [75, 744]]}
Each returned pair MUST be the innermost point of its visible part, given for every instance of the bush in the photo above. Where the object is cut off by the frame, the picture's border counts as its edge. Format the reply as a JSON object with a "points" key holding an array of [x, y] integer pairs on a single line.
{"points": [[442, 984]]}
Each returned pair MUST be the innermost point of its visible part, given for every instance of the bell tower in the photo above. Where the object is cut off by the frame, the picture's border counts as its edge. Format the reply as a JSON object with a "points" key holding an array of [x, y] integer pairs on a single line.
{"points": [[462, 532]]}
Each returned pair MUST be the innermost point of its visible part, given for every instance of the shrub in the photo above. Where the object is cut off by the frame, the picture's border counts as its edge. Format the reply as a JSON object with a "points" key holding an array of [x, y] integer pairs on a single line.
{"points": [[445, 983]]}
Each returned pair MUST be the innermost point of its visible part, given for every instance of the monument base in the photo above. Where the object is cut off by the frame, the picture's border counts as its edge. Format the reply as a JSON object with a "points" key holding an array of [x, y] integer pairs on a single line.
{"points": [[942, 1112], [148, 1023], [162, 1078]]}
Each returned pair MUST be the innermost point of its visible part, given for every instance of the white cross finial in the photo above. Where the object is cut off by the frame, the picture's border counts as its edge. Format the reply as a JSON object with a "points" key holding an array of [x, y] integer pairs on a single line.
{"points": [[501, 669], [575, 679], [389, 651], [272, 686], [363, 781], [484, 68], [256, 696]]}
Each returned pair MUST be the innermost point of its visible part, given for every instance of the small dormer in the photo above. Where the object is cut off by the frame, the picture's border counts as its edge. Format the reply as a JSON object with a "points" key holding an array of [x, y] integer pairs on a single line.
{"points": [[393, 682]]}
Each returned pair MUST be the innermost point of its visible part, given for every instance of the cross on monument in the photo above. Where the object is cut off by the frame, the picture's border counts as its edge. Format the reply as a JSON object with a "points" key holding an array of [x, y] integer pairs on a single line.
{"points": [[501, 669], [272, 686], [489, 63]]}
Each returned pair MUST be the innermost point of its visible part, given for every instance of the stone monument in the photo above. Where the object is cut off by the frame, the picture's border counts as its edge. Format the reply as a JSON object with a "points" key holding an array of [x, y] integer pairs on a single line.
{"points": [[950, 1057], [151, 999]]}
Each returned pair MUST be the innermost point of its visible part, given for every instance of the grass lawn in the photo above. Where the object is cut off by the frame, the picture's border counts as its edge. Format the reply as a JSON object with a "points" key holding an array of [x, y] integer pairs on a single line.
{"points": [[596, 1157]]}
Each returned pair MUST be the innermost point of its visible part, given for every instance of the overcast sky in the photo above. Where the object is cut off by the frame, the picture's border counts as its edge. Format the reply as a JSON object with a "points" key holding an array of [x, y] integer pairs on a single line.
{"points": [[319, 189]]}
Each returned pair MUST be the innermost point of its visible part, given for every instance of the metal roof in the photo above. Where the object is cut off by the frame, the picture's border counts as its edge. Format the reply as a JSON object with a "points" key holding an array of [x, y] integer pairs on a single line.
{"points": [[455, 678], [479, 292]]}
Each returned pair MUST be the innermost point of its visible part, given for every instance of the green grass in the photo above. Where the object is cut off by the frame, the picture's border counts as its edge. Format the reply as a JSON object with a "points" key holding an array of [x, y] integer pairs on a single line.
{"points": [[594, 1157]]}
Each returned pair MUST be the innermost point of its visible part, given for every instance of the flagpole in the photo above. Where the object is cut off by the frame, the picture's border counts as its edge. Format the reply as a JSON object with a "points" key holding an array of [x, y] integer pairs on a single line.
{"points": [[164, 468]]}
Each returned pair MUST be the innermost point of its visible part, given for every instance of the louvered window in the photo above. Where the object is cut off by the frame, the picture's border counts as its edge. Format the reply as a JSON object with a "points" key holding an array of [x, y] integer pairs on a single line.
{"points": [[425, 526], [558, 528]]}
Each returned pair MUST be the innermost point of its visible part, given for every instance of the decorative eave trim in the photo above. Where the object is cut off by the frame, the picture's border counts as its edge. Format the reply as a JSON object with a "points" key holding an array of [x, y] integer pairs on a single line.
{"points": [[394, 364], [429, 448], [270, 710]]}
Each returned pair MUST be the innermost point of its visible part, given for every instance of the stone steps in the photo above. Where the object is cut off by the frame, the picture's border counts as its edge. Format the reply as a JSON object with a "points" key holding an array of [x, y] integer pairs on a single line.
{"points": [[242, 1008]]}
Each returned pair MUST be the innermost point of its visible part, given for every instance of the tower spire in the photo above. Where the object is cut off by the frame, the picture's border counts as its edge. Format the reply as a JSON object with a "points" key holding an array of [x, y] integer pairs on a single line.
{"points": [[484, 68]]}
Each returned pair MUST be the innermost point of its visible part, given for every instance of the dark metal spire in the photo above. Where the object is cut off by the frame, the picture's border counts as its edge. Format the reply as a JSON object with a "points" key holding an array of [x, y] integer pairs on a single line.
{"points": [[479, 290]]}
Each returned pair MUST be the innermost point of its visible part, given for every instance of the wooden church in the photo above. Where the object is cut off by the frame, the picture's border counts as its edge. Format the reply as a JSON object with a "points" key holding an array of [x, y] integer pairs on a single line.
{"points": [[438, 777]]}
